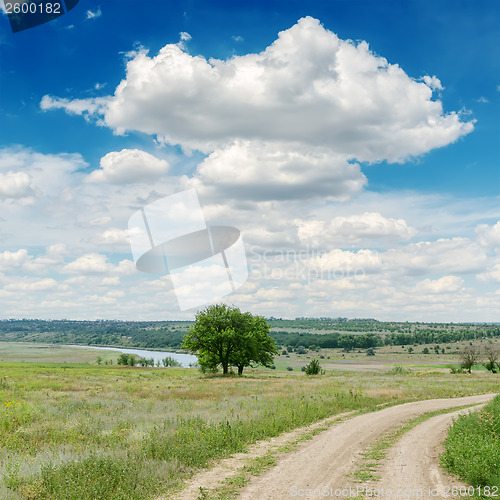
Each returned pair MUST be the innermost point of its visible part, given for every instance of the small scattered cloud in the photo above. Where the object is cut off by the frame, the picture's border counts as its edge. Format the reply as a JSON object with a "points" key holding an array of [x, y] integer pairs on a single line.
{"points": [[482, 99], [433, 82], [15, 185], [129, 166], [238, 38], [446, 284], [85, 107], [185, 36], [29, 285], [12, 260], [113, 236], [97, 264], [93, 14], [353, 229], [488, 236]]}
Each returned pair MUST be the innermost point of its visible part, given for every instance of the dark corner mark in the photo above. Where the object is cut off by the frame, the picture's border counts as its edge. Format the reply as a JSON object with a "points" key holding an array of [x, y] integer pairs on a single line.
{"points": [[26, 14]]}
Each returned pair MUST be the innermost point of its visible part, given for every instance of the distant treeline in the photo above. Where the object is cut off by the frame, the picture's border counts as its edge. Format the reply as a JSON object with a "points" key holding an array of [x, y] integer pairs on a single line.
{"points": [[363, 341], [145, 334], [169, 334]]}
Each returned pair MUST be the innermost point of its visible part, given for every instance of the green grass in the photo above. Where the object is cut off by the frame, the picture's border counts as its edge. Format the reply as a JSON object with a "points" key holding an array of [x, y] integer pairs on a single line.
{"points": [[90, 432], [472, 448]]}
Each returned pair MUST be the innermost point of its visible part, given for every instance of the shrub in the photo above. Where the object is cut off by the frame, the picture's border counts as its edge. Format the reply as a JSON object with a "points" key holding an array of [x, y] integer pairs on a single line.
{"points": [[169, 361], [289, 368], [399, 370], [370, 352], [314, 368], [127, 359]]}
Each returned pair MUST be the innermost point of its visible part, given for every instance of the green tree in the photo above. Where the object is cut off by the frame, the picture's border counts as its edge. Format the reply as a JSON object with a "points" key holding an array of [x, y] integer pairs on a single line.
{"points": [[469, 356], [225, 336], [492, 356]]}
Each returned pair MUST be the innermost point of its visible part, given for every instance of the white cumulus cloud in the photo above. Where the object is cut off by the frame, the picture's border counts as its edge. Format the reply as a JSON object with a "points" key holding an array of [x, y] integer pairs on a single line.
{"points": [[14, 185], [129, 166], [446, 284], [353, 229], [258, 170], [488, 236], [309, 86]]}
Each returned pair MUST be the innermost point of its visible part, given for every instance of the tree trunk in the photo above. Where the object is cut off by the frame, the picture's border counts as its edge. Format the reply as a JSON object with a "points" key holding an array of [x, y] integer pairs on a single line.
{"points": [[240, 369]]}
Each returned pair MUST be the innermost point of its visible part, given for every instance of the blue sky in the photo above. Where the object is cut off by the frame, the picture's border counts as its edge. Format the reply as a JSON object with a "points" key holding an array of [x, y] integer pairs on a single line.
{"points": [[353, 143]]}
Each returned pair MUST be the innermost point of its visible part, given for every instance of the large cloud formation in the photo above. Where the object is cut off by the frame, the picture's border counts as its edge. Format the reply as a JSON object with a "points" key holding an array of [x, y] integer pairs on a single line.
{"points": [[308, 105], [309, 86]]}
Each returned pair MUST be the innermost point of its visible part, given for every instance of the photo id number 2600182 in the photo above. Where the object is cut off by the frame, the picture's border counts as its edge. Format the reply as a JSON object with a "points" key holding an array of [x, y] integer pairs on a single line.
{"points": [[33, 8]]}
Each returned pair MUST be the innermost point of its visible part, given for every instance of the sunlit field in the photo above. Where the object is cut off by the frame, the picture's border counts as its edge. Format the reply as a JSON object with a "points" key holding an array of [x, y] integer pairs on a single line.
{"points": [[82, 431]]}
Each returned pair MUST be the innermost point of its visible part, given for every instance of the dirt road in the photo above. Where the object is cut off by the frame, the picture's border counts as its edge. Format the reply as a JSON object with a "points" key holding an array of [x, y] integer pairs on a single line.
{"points": [[323, 463], [319, 468], [414, 461]]}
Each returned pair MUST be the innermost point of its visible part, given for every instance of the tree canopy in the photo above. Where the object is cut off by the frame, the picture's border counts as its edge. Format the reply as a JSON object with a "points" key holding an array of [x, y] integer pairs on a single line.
{"points": [[225, 336]]}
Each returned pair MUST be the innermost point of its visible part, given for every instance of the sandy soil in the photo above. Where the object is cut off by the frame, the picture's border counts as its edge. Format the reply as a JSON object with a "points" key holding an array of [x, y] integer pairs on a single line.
{"points": [[319, 468], [413, 463]]}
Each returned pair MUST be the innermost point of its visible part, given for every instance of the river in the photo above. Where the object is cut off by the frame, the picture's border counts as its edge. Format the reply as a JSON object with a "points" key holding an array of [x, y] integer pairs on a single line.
{"points": [[184, 359]]}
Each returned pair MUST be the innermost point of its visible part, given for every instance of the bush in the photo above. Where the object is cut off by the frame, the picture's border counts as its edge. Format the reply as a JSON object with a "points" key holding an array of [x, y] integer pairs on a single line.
{"points": [[169, 361], [289, 368], [314, 368], [127, 359], [370, 352], [399, 370], [146, 362]]}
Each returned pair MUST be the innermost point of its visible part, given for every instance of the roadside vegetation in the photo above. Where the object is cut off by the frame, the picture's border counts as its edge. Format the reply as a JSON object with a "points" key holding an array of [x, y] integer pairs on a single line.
{"points": [[472, 449], [119, 432]]}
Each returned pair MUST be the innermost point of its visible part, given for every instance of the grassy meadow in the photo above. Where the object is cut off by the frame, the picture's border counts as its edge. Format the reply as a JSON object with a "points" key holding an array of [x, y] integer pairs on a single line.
{"points": [[86, 431]]}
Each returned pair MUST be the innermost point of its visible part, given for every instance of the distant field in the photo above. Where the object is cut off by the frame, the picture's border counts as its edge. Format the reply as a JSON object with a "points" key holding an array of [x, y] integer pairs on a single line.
{"points": [[51, 353], [330, 359], [385, 358]]}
